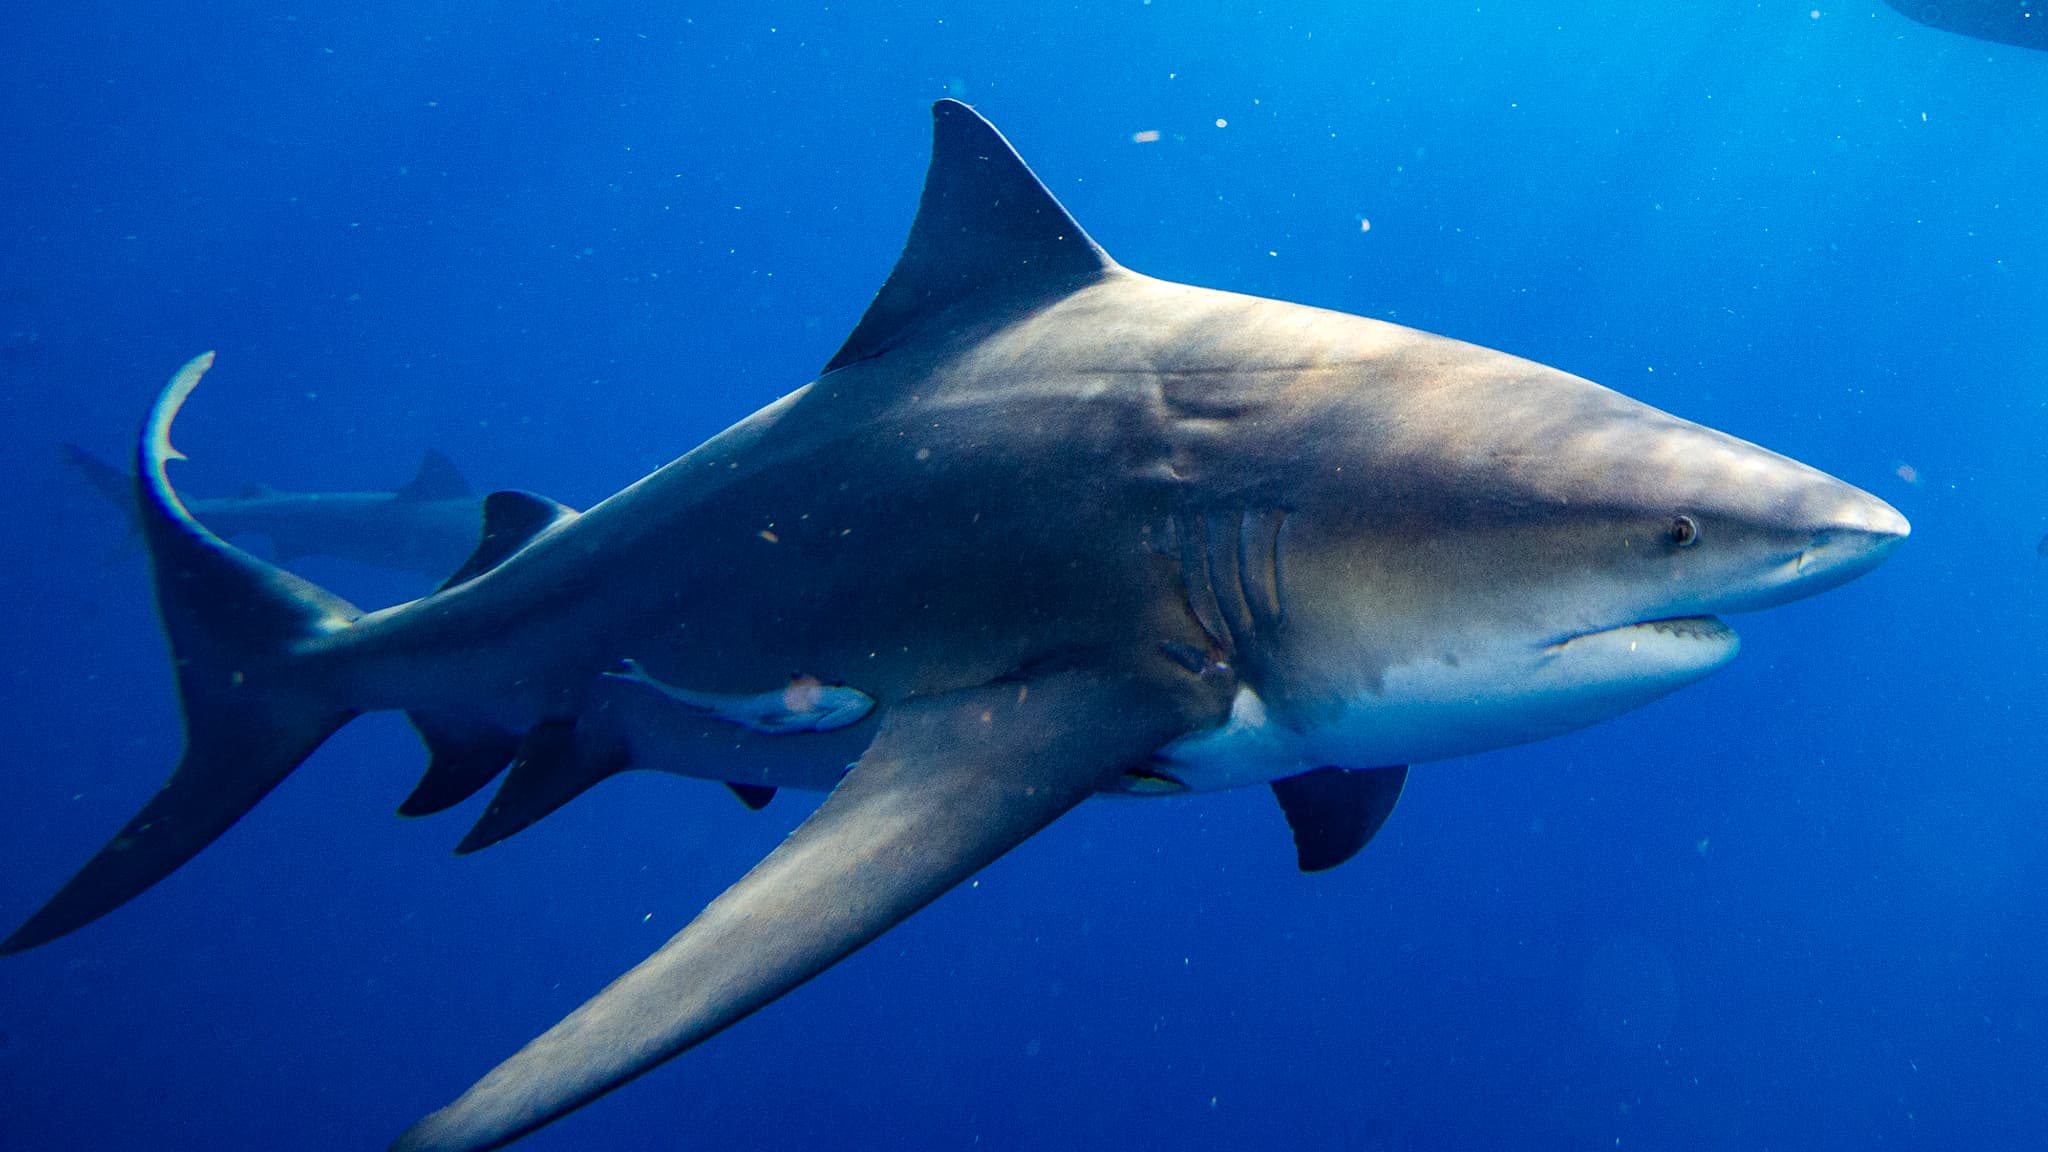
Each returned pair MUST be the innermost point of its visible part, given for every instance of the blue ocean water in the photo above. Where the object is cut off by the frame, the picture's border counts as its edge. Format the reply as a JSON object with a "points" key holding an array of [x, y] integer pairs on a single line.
{"points": [[1793, 907]]}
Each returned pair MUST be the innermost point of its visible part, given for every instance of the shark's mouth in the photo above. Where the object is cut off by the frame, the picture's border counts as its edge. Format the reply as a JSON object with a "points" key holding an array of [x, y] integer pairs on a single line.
{"points": [[1678, 627]]}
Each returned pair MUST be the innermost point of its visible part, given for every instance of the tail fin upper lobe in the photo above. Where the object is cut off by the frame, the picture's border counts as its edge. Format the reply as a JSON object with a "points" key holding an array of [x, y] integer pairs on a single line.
{"points": [[252, 712]]}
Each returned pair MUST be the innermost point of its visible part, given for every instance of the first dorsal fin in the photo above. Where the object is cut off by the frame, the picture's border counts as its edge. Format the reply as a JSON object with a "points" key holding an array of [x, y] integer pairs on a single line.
{"points": [[437, 479], [987, 231], [511, 520]]}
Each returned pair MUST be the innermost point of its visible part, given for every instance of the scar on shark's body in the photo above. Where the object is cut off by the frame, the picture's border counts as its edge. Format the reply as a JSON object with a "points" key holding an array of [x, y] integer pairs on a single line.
{"points": [[1090, 533]]}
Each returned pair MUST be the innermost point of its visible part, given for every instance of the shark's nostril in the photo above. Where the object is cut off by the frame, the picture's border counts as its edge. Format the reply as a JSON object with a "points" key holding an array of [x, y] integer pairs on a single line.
{"points": [[1872, 517]]}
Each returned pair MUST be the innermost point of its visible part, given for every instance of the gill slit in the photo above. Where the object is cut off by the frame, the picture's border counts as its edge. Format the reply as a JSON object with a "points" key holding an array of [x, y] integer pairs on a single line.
{"points": [[1230, 572]]}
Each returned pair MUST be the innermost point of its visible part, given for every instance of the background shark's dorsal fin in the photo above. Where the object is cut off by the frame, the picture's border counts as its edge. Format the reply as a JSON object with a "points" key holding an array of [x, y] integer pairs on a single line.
{"points": [[986, 231], [511, 521], [437, 479]]}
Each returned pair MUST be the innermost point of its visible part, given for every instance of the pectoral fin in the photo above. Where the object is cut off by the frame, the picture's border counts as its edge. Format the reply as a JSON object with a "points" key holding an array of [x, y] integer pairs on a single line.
{"points": [[1334, 812], [950, 783]]}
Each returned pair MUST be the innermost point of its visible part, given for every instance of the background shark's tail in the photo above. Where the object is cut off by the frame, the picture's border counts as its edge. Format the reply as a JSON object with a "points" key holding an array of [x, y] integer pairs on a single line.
{"points": [[110, 482], [235, 626]]}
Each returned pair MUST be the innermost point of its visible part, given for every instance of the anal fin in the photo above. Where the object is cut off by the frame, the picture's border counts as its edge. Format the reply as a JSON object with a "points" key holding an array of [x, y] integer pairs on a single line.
{"points": [[555, 764], [1334, 812]]}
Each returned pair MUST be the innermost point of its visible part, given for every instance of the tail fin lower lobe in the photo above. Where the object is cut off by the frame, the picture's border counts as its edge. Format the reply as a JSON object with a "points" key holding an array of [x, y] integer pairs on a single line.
{"points": [[252, 711]]}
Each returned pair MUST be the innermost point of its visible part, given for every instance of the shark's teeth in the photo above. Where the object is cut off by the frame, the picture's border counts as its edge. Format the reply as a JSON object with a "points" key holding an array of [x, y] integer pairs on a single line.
{"points": [[1694, 627], [1684, 627]]}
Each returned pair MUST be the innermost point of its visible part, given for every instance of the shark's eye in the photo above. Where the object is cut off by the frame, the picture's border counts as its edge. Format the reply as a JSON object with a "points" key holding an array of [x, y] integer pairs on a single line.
{"points": [[1685, 531]]}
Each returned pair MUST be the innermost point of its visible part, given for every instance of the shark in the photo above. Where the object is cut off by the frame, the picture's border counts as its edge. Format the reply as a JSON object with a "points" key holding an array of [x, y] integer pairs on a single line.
{"points": [[1044, 529], [428, 525], [2019, 23]]}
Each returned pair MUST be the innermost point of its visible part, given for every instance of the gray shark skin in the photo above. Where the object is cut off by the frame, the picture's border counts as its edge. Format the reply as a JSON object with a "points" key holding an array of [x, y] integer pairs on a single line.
{"points": [[2020, 23], [428, 526], [1045, 528]]}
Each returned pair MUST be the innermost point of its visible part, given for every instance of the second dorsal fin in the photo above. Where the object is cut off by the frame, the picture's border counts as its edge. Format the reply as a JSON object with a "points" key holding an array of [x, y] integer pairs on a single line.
{"points": [[986, 231], [511, 521]]}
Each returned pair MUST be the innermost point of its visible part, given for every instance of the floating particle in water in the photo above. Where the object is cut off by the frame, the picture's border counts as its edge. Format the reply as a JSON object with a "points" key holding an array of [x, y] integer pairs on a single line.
{"points": [[1628, 993], [1148, 136], [1908, 473], [2041, 549], [1222, 123]]}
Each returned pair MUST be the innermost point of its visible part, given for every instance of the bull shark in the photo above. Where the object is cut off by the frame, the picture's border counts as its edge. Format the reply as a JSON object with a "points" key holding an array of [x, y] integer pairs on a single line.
{"points": [[1043, 529], [429, 525], [2020, 23]]}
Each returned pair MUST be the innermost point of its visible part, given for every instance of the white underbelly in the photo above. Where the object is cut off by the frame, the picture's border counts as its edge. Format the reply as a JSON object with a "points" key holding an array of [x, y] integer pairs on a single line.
{"points": [[1434, 710]]}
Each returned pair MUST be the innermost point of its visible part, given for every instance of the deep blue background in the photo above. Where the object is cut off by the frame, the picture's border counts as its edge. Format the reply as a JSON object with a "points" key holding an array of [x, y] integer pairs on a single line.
{"points": [[1797, 906]]}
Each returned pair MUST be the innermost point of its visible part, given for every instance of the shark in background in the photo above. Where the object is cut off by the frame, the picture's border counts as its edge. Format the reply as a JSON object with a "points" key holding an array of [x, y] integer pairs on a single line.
{"points": [[2020, 23], [1044, 529], [428, 525]]}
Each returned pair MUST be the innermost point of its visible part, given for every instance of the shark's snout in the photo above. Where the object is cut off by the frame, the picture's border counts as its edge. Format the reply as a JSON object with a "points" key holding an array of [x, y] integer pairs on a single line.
{"points": [[1836, 535], [1855, 539], [1874, 518]]}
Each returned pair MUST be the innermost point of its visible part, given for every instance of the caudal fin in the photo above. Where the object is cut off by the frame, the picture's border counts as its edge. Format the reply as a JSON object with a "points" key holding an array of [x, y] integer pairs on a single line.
{"points": [[114, 485], [236, 626]]}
